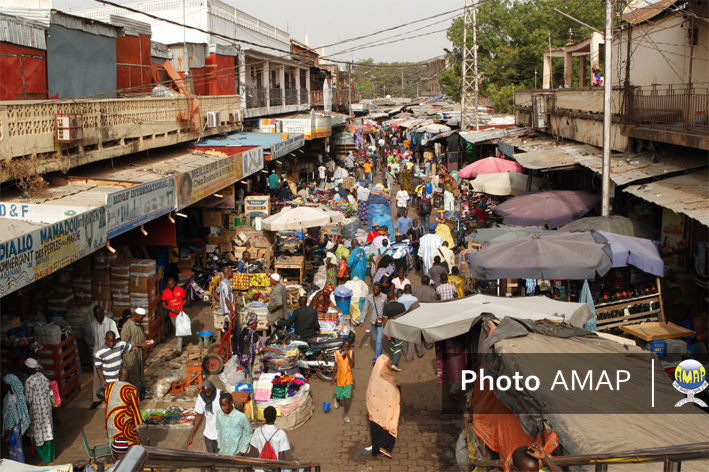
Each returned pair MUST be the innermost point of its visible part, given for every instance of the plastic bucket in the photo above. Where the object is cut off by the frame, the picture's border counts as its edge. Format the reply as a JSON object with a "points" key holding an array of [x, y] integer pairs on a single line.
{"points": [[343, 303], [326, 406], [205, 338]]}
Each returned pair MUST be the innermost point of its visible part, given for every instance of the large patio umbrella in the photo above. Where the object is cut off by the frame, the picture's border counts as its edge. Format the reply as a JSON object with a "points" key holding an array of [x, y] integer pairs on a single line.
{"points": [[502, 233], [506, 183], [552, 255], [613, 224], [627, 250], [489, 165], [436, 321], [552, 208], [293, 219]]}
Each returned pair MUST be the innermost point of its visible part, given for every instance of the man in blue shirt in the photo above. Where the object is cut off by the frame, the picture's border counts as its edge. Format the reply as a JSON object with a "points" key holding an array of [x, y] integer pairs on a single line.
{"points": [[403, 223], [243, 267]]}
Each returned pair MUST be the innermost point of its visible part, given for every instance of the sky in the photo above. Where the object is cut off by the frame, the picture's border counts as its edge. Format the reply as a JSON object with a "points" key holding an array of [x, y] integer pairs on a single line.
{"points": [[330, 21]]}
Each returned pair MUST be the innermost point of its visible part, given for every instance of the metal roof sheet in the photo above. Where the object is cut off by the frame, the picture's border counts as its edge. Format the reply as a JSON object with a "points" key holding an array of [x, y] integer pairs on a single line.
{"points": [[685, 194], [84, 24], [553, 155], [132, 27], [274, 143], [22, 32], [492, 133], [629, 168], [160, 50]]}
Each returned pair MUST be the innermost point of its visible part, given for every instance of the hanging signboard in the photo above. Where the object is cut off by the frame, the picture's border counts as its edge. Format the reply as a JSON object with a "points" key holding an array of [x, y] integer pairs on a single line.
{"points": [[134, 206], [204, 180], [251, 161], [40, 213], [283, 147], [38, 253], [302, 126], [323, 127]]}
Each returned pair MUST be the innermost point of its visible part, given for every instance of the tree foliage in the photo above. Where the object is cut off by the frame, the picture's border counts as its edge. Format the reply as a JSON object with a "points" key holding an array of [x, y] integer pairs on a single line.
{"points": [[374, 80], [512, 37]]}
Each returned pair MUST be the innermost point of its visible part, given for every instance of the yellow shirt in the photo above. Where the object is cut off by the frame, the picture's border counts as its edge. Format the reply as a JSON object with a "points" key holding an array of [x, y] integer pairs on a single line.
{"points": [[344, 371]]}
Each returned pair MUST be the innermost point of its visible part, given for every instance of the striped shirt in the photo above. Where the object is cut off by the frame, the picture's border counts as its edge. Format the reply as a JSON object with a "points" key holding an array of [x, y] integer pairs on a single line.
{"points": [[110, 359]]}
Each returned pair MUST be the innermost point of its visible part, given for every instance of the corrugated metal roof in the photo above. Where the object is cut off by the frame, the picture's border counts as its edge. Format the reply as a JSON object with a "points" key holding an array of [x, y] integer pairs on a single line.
{"points": [[222, 50], [629, 168], [553, 155], [84, 24], [23, 32], [132, 27], [160, 50], [492, 133], [639, 11], [37, 15], [685, 194], [194, 59]]}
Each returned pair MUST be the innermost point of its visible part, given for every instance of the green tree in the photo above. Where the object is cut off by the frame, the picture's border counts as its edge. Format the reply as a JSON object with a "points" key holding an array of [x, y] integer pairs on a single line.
{"points": [[379, 79], [512, 38]]}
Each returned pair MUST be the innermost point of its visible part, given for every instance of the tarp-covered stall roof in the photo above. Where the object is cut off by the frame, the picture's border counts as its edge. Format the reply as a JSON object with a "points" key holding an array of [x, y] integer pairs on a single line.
{"points": [[684, 194]]}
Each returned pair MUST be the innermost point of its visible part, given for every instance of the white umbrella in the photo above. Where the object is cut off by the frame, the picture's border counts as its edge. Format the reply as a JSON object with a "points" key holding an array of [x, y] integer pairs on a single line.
{"points": [[506, 183], [293, 219]]}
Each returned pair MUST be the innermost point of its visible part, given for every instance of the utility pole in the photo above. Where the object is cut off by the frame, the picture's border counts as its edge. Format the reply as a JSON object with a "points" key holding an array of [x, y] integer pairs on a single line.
{"points": [[469, 91], [607, 113]]}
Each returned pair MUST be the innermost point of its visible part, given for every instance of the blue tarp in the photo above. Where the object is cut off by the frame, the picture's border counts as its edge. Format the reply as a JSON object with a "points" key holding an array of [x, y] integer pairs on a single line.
{"points": [[380, 213]]}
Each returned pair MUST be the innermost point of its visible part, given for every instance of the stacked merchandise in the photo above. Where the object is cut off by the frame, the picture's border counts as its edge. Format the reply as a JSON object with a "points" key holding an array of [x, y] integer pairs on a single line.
{"points": [[101, 280], [120, 285], [289, 395], [142, 289], [263, 387], [61, 295], [81, 281]]}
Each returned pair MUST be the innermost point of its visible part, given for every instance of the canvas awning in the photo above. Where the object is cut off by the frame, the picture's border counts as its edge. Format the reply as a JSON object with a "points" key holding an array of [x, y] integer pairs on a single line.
{"points": [[683, 194], [436, 321]]}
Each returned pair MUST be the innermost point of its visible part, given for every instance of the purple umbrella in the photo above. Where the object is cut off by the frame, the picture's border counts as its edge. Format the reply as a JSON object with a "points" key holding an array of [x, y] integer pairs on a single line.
{"points": [[628, 250], [552, 208]]}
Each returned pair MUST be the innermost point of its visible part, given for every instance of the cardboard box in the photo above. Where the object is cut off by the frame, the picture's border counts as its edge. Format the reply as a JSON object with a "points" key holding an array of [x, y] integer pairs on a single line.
{"points": [[120, 268], [239, 251], [104, 258], [186, 262], [121, 285], [257, 206], [225, 236], [139, 284], [224, 247], [210, 248], [102, 276], [213, 239], [100, 292], [64, 276], [212, 218]]}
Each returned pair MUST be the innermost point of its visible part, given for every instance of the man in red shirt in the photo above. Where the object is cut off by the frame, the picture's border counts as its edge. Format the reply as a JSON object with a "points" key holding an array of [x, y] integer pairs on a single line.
{"points": [[173, 299], [374, 233]]}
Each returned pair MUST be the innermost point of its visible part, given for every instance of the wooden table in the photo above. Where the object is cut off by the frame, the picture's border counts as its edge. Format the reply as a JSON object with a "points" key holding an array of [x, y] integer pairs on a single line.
{"points": [[292, 263], [656, 330]]}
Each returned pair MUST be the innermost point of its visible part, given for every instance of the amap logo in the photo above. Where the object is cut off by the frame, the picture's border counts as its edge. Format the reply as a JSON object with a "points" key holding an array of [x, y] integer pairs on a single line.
{"points": [[690, 378]]}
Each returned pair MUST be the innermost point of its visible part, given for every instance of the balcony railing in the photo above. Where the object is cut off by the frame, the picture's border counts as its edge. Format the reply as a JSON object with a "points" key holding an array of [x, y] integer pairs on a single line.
{"points": [[291, 97], [255, 97], [275, 98], [304, 96], [677, 106]]}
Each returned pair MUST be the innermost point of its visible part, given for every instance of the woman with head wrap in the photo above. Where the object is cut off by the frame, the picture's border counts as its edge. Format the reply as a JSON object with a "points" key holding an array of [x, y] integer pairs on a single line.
{"points": [[250, 348], [206, 406], [383, 405], [15, 417]]}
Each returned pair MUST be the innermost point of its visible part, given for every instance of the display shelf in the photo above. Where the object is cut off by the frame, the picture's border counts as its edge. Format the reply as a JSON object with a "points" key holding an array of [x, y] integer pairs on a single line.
{"points": [[605, 321], [60, 363]]}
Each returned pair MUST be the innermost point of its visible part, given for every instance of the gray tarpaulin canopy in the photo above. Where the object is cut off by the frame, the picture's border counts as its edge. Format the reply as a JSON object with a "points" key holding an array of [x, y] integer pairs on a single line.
{"points": [[436, 321], [593, 430]]}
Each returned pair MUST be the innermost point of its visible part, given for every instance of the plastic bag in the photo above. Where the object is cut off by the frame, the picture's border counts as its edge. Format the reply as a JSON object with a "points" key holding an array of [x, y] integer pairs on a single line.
{"points": [[183, 325]]}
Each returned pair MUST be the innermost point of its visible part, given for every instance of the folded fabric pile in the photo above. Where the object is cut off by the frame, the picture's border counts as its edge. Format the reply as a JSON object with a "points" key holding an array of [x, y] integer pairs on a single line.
{"points": [[285, 386], [263, 387]]}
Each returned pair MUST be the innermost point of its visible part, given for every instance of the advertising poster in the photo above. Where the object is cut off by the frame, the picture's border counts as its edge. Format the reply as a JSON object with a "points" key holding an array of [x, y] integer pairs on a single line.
{"points": [[131, 207], [36, 254], [205, 180], [300, 126], [672, 236], [251, 161]]}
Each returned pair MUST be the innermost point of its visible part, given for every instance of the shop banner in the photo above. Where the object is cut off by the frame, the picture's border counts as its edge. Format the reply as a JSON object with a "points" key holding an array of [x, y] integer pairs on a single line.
{"points": [[205, 180], [36, 254], [132, 207], [302, 126], [323, 127], [251, 161], [227, 199], [672, 236], [40, 213], [286, 146]]}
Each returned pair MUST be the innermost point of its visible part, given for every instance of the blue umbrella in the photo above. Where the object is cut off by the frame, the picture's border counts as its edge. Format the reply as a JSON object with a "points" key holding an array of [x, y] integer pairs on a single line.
{"points": [[586, 298], [639, 252]]}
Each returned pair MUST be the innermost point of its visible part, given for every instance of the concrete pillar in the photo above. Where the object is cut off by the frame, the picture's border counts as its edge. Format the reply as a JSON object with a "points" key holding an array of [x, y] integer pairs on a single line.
{"points": [[307, 84], [568, 68], [282, 78], [583, 80], [267, 82], [297, 83], [241, 81], [546, 76]]}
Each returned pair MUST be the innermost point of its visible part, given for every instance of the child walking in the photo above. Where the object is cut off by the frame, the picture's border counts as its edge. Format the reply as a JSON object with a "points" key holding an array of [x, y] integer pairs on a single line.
{"points": [[342, 373]]}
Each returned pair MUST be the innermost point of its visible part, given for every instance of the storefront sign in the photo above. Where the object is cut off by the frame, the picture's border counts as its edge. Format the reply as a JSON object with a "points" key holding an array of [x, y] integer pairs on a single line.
{"points": [[672, 236], [251, 161], [205, 180], [225, 200], [39, 213], [299, 126], [323, 127], [131, 207], [36, 254], [281, 148]]}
